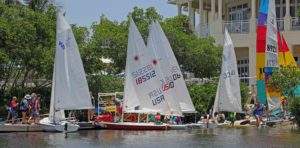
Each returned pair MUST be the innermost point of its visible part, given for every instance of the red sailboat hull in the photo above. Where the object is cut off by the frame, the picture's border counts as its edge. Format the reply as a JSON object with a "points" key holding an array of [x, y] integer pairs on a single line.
{"points": [[132, 126]]}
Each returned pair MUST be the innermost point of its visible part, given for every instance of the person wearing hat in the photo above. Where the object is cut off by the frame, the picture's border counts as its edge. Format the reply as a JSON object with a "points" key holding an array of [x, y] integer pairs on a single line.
{"points": [[24, 107]]}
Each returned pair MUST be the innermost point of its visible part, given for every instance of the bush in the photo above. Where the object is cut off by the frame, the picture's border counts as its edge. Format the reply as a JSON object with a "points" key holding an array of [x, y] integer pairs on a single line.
{"points": [[294, 106]]}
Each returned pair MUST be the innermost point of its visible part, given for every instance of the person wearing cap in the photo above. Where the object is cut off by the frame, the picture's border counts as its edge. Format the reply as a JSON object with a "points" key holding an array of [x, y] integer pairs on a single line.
{"points": [[24, 107]]}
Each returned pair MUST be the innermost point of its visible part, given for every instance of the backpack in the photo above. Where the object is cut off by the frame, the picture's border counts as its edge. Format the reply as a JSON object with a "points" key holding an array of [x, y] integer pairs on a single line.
{"points": [[24, 105]]}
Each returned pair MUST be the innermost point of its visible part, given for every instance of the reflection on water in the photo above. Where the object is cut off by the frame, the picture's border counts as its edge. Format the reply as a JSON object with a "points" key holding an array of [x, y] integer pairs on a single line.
{"points": [[221, 137]]}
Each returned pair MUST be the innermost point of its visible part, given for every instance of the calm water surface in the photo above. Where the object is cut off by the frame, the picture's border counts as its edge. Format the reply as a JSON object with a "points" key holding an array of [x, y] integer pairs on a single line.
{"points": [[221, 137]]}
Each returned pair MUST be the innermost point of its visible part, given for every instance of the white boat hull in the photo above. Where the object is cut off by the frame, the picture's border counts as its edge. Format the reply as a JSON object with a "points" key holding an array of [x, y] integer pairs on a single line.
{"points": [[63, 126]]}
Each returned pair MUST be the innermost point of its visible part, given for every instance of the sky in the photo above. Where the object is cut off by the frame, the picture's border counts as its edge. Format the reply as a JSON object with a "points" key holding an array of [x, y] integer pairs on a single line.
{"points": [[85, 12]]}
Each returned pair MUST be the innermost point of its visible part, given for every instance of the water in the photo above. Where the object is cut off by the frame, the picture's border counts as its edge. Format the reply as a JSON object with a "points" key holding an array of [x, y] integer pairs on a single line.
{"points": [[221, 137]]}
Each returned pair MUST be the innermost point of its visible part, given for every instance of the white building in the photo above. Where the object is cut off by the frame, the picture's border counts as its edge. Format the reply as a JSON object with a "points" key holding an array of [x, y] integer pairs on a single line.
{"points": [[240, 16]]}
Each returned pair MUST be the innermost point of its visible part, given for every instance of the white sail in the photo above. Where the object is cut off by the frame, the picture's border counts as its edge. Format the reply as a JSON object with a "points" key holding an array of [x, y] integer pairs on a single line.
{"points": [[142, 80], [271, 40], [228, 96], [273, 98], [173, 105], [135, 44], [71, 89], [173, 83], [54, 116]]}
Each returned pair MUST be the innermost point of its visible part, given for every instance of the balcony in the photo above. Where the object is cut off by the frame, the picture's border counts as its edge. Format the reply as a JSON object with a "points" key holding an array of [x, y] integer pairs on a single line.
{"points": [[242, 26], [238, 26], [295, 22]]}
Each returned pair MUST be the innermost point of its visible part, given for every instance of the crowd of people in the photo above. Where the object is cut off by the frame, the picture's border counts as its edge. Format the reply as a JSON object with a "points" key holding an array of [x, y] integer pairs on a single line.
{"points": [[28, 107]]}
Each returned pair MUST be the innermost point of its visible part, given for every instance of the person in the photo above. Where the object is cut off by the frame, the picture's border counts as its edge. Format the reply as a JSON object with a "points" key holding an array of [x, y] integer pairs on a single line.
{"points": [[220, 118], [14, 106], [30, 102], [71, 116], [258, 111], [8, 107], [24, 107], [178, 120], [35, 108], [232, 118], [167, 119], [207, 120], [158, 118], [284, 105]]}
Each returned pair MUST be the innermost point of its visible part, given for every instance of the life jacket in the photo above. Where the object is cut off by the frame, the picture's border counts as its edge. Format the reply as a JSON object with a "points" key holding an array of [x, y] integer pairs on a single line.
{"points": [[13, 104]]}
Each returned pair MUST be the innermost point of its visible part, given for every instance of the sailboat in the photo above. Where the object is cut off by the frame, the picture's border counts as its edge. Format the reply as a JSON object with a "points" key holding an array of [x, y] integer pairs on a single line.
{"points": [[267, 59], [172, 81], [228, 96], [69, 85], [142, 92]]}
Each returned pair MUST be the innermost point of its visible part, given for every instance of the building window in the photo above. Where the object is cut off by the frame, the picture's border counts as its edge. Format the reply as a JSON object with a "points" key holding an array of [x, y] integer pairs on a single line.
{"points": [[280, 8], [243, 70], [239, 12], [295, 7]]}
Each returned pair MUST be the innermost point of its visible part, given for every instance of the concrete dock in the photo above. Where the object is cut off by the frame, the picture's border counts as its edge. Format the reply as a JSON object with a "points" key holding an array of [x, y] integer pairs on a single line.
{"points": [[20, 128]]}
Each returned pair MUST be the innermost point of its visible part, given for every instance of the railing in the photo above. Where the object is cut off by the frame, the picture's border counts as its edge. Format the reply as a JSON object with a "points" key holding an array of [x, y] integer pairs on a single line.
{"points": [[295, 22], [280, 24], [239, 26]]}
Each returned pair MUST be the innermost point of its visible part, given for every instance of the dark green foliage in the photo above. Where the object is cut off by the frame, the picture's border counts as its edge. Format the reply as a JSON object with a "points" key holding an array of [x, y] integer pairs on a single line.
{"points": [[27, 40], [197, 55], [105, 84], [203, 96], [294, 107]]}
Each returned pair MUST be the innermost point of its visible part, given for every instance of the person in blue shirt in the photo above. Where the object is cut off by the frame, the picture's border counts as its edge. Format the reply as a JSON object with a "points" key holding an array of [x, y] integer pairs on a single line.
{"points": [[24, 107], [258, 112]]}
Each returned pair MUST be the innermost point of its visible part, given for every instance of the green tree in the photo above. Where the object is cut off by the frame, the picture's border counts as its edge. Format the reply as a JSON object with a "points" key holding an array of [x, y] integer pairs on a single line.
{"points": [[197, 55], [27, 40], [39, 5], [285, 79], [109, 40], [203, 95], [105, 84], [91, 58]]}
